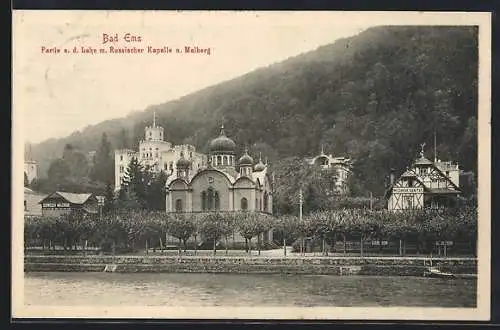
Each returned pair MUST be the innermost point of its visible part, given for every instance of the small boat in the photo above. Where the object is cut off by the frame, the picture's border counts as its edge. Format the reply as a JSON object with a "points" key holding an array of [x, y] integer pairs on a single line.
{"points": [[435, 272]]}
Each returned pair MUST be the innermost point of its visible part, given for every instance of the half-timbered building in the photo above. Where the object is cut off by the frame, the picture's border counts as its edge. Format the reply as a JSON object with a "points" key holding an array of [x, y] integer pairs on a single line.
{"points": [[425, 184]]}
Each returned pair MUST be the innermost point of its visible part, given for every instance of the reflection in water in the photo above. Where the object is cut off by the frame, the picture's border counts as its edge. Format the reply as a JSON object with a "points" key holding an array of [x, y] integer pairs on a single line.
{"points": [[111, 289]]}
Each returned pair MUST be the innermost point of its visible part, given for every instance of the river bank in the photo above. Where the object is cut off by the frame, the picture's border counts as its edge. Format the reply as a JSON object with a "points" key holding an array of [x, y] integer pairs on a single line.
{"points": [[387, 266]]}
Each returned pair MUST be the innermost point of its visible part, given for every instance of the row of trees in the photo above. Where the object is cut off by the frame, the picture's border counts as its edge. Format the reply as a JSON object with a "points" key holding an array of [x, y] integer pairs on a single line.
{"points": [[135, 229]]}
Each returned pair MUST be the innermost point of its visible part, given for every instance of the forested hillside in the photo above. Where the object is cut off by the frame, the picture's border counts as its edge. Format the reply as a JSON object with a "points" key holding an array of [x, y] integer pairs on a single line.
{"points": [[373, 97]]}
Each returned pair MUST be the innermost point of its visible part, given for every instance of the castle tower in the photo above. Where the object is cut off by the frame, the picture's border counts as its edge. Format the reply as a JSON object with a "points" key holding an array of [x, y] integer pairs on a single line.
{"points": [[154, 132]]}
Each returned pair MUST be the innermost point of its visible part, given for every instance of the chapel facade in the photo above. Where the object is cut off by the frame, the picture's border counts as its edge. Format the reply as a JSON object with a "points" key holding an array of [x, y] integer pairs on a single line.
{"points": [[225, 184]]}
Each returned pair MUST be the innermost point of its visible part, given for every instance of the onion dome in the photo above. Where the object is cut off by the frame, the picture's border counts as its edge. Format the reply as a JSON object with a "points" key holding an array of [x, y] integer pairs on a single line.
{"points": [[260, 165], [245, 160], [222, 144], [183, 162]]}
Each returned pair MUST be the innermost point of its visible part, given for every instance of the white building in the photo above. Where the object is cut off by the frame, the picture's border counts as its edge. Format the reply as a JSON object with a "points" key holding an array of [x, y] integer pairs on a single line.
{"points": [[156, 153], [31, 170], [340, 165]]}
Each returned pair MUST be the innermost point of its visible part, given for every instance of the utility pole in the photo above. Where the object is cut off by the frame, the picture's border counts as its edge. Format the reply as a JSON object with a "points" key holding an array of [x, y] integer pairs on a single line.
{"points": [[300, 219], [300, 204], [435, 147]]}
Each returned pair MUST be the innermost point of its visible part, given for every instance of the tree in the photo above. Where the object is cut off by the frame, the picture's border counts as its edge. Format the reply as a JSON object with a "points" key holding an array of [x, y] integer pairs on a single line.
{"points": [[58, 172], [181, 227], [103, 169], [287, 225], [109, 199], [134, 182], [248, 226], [156, 192], [76, 162], [211, 228]]}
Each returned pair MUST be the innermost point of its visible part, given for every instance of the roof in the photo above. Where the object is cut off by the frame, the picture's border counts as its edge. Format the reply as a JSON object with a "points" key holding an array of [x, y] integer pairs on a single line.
{"points": [[423, 161], [70, 197]]}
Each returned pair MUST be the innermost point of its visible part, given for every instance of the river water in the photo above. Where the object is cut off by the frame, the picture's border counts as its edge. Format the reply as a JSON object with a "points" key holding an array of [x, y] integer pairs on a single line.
{"points": [[147, 289]]}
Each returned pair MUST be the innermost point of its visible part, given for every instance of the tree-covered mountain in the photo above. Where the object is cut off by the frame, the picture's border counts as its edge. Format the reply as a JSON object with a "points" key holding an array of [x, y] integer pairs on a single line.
{"points": [[373, 97]]}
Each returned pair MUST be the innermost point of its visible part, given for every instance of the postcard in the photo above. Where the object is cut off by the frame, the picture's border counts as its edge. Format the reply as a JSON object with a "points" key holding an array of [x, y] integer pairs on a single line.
{"points": [[251, 165]]}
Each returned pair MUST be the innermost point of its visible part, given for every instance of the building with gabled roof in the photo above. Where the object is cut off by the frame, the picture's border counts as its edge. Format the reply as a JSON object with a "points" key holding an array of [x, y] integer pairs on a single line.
{"points": [[425, 184], [58, 203]]}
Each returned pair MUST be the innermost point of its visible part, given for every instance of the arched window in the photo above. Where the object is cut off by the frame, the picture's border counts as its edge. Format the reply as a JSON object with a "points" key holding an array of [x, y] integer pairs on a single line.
{"points": [[216, 201], [266, 197], [210, 199], [244, 204], [204, 200], [178, 205], [219, 161], [224, 160]]}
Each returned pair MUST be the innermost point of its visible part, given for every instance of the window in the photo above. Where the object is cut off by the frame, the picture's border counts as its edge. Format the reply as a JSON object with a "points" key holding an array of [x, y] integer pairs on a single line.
{"points": [[210, 200], [219, 161], [216, 201], [244, 204], [25, 206], [165, 166], [190, 154], [448, 173], [224, 160], [121, 157], [204, 200], [121, 168], [178, 205], [266, 197], [410, 183]]}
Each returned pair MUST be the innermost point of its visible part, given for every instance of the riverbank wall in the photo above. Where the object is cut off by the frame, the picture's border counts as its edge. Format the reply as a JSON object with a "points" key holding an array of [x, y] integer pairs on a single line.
{"points": [[382, 266]]}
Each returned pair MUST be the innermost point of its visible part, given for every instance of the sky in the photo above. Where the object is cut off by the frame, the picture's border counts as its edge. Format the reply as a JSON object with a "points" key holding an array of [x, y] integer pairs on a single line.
{"points": [[57, 94], [60, 93]]}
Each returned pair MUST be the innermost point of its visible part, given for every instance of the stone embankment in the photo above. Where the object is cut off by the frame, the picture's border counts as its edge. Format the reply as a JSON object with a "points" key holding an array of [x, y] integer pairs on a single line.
{"points": [[386, 266]]}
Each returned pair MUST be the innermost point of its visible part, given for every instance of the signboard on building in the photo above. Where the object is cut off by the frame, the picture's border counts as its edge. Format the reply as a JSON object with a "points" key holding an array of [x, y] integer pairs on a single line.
{"points": [[55, 205], [404, 190], [443, 243]]}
